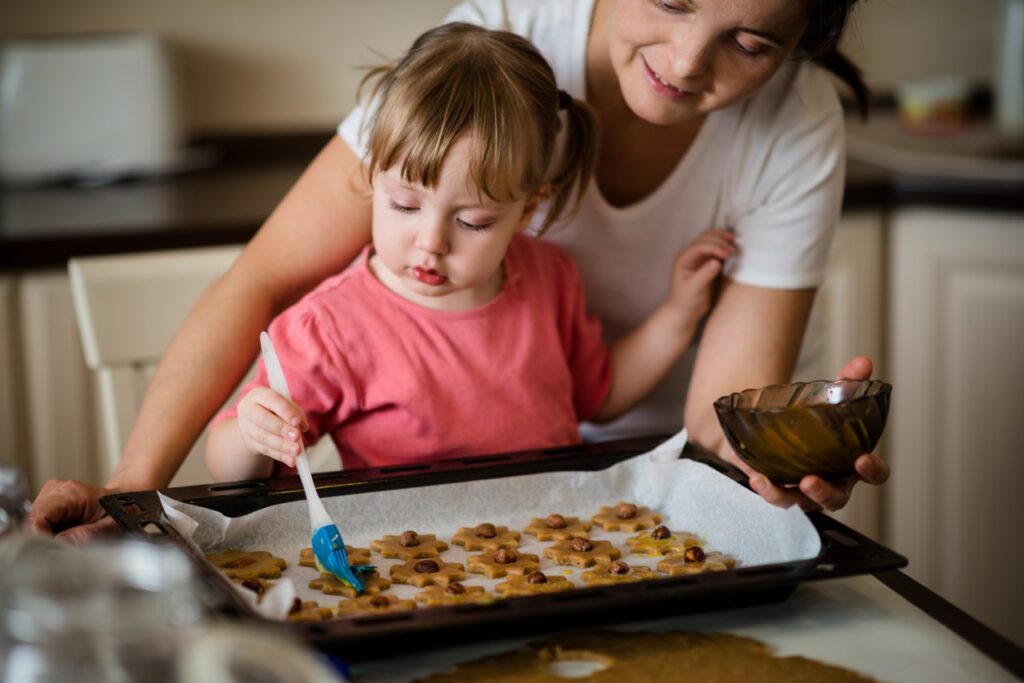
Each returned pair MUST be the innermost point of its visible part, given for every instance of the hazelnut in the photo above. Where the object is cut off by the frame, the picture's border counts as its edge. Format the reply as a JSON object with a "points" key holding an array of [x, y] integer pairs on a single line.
{"points": [[626, 511], [379, 601], [426, 567], [254, 585], [408, 539], [582, 545], [660, 533], [504, 556], [536, 577], [618, 568], [486, 531], [455, 588], [556, 522], [693, 554], [296, 606]]}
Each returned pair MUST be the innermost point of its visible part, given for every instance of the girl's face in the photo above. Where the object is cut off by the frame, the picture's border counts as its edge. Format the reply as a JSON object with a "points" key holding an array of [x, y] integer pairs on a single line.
{"points": [[442, 247], [676, 59]]}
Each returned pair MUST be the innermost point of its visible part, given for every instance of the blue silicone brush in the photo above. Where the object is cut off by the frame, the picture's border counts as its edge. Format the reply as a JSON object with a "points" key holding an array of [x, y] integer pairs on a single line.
{"points": [[328, 546]]}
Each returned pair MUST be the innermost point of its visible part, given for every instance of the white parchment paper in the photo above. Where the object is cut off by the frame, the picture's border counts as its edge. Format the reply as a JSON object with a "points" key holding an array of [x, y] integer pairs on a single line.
{"points": [[689, 495]]}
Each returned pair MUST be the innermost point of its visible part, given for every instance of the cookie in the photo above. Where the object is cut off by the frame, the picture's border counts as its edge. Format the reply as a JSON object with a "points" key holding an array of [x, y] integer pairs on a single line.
{"points": [[486, 536], [555, 527], [372, 584], [626, 517], [356, 557], [695, 561], [409, 546], [309, 611], [454, 593], [247, 564], [257, 586], [582, 552], [502, 562], [616, 572], [374, 604], [662, 541], [532, 584], [427, 572]]}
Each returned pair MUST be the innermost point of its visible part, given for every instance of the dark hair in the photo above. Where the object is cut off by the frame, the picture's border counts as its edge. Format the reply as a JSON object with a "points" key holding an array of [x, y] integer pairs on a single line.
{"points": [[820, 41]]}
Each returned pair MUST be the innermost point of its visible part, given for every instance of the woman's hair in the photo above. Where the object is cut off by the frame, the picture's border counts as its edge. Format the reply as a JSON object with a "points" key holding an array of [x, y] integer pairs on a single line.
{"points": [[820, 44], [459, 79]]}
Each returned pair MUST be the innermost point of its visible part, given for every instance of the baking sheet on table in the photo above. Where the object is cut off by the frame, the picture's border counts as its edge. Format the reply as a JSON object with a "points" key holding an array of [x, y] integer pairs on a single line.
{"points": [[690, 497]]}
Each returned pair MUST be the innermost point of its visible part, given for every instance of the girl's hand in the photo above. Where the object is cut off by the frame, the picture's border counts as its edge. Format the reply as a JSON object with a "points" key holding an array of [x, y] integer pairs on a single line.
{"points": [[271, 425], [813, 492], [695, 270]]}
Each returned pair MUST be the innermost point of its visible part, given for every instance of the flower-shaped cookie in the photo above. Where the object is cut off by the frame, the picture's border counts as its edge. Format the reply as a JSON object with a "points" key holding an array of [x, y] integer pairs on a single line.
{"points": [[309, 611], [502, 562], [409, 546], [662, 541], [615, 572], [374, 604], [695, 561], [555, 527], [532, 584], [626, 517], [427, 572], [486, 536], [356, 557], [247, 564], [372, 584], [454, 593], [581, 552]]}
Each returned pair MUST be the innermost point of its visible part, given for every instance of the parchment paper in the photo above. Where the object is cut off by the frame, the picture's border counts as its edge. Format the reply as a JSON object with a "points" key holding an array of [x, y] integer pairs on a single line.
{"points": [[689, 495]]}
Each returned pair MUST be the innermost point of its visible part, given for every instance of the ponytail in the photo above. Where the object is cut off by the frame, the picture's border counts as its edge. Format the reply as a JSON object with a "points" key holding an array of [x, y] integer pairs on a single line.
{"points": [[577, 161], [820, 42]]}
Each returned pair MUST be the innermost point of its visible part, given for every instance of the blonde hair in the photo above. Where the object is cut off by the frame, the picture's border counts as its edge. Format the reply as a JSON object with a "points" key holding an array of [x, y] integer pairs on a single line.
{"points": [[461, 79]]}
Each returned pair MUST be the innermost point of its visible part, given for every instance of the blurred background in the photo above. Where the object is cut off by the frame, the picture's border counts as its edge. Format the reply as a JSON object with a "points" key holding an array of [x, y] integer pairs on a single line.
{"points": [[213, 108]]}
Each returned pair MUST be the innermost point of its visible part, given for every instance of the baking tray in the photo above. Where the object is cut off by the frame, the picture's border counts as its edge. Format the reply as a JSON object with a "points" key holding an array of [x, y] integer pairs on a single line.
{"points": [[844, 553]]}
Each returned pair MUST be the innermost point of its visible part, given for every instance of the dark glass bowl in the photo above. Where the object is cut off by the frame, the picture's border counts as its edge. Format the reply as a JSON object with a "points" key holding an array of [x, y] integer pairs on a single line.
{"points": [[786, 431]]}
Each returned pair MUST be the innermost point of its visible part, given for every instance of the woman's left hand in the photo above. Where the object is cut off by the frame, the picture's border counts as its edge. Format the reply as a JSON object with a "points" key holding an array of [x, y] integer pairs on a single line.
{"points": [[814, 493]]}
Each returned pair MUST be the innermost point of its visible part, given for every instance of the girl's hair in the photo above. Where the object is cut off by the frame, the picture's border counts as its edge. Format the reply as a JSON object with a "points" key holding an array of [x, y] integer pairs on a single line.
{"points": [[820, 44], [461, 79]]}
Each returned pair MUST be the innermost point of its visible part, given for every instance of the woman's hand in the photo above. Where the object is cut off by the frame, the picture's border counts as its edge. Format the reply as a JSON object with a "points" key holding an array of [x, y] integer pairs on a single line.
{"points": [[813, 492], [271, 425], [71, 511]]}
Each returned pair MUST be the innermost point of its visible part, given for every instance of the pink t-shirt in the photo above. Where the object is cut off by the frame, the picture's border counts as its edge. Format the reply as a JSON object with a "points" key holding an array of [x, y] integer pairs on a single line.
{"points": [[393, 382]]}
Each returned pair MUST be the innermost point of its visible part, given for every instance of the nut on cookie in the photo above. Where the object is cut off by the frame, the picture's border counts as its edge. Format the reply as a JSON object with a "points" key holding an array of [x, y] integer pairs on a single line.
{"points": [[557, 527], [486, 536], [581, 552], [427, 572], [626, 517], [661, 541], [616, 572], [374, 604], [309, 611], [454, 593], [695, 561], [532, 584], [247, 564], [409, 545], [372, 584], [501, 562]]}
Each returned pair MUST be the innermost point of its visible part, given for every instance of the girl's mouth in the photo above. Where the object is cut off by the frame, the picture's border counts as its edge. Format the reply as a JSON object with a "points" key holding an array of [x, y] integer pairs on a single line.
{"points": [[428, 276], [663, 87]]}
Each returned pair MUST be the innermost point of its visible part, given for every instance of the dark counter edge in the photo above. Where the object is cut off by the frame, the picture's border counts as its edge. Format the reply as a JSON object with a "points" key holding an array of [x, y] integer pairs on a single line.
{"points": [[995, 646], [867, 187]]}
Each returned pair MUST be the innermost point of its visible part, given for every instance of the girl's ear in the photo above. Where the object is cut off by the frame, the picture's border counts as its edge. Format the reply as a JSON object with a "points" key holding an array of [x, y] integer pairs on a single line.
{"points": [[536, 199]]}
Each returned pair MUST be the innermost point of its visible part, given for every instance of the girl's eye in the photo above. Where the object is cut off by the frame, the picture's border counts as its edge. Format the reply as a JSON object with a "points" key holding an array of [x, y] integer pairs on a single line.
{"points": [[400, 208], [476, 227], [671, 8], [749, 48]]}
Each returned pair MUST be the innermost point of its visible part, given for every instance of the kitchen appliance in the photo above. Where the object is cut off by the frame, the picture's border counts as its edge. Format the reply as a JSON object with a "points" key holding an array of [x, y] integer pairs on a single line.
{"points": [[844, 553], [94, 107]]}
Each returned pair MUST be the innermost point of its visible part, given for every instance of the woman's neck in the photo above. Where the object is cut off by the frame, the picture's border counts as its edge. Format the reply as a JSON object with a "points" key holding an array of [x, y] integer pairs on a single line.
{"points": [[634, 156]]}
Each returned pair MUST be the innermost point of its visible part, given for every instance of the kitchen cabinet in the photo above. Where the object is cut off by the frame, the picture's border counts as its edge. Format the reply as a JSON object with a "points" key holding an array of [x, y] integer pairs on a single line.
{"points": [[956, 499]]}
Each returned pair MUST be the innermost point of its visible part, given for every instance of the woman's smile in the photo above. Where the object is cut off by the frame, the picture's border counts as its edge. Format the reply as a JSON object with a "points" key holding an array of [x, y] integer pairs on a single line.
{"points": [[662, 86]]}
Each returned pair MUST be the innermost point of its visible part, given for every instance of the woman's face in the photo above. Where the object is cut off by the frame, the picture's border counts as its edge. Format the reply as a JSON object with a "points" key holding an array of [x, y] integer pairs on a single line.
{"points": [[676, 59]]}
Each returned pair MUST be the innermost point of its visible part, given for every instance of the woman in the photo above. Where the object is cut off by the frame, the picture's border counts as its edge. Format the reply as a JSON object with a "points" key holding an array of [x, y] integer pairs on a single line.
{"points": [[713, 114]]}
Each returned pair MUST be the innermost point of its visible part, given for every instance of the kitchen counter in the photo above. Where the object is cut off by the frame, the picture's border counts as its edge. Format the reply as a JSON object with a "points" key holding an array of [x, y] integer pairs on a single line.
{"points": [[226, 202]]}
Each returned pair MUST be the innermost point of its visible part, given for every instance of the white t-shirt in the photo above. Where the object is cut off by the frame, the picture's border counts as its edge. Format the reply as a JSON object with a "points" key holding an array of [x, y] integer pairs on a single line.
{"points": [[770, 167]]}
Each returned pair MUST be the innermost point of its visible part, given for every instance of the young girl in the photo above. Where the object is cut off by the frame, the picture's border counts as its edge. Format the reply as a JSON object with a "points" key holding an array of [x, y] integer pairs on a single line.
{"points": [[455, 333]]}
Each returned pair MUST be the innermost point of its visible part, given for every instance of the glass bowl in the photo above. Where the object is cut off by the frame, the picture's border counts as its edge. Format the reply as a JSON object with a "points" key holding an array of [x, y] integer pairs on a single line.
{"points": [[786, 431]]}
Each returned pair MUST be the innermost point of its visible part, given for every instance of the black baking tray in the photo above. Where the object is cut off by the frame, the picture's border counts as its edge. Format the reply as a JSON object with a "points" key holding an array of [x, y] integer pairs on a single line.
{"points": [[844, 553]]}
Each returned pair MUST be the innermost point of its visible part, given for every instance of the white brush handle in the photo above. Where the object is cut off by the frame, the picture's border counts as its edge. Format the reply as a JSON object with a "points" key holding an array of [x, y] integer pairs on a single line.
{"points": [[317, 514]]}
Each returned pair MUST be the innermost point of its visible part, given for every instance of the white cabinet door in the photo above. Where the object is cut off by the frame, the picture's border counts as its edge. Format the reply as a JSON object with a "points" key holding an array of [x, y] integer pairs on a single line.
{"points": [[846, 321], [956, 498]]}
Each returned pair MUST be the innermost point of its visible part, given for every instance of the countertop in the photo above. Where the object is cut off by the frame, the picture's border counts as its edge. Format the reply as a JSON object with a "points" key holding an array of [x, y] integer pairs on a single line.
{"points": [[226, 201]]}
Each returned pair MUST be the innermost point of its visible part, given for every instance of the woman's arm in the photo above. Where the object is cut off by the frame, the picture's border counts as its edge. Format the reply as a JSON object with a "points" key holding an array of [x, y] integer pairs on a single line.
{"points": [[317, 229], [752, 338]]}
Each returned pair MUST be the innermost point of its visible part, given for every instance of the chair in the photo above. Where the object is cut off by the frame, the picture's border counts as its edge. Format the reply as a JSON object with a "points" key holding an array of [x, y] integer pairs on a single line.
{"points": [[128, 308]]}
